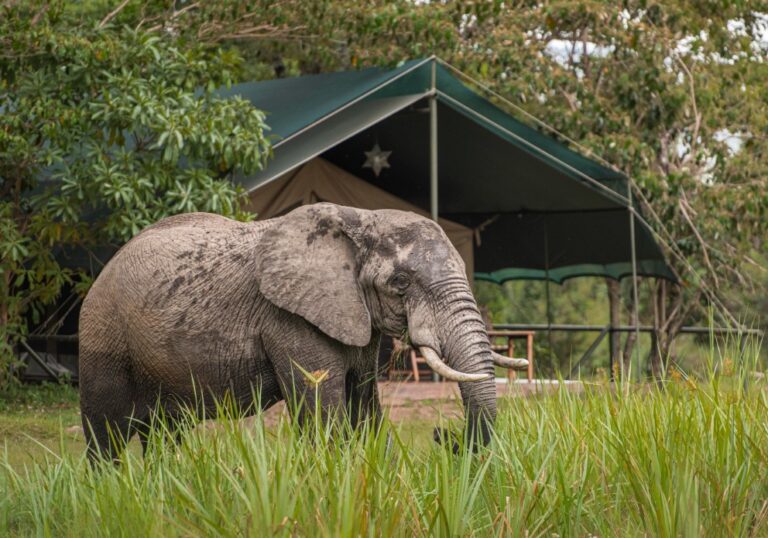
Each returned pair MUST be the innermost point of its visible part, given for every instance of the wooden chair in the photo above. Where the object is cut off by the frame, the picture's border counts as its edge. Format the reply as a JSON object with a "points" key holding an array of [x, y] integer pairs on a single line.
{"points": [[510, 345], [416, 361]]}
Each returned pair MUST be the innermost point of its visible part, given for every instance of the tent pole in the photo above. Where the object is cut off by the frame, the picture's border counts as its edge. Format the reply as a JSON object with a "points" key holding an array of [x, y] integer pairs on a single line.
{"points": [[433, 144], [634, 278], [433, 154]]}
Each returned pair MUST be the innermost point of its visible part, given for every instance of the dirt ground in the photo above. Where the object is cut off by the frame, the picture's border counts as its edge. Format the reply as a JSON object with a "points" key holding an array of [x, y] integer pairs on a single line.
{"points": [[406, 401]]}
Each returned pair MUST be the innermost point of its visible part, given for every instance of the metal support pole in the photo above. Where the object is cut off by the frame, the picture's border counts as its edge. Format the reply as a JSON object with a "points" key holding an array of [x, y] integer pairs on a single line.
{"points": [[433, 145], [591, 349], [614, 315], [634, 277], [433, 208], [41, 362]]}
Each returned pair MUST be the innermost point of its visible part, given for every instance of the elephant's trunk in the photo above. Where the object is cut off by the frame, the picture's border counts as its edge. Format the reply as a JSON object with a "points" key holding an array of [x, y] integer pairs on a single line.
{"points": [[465, 347]]}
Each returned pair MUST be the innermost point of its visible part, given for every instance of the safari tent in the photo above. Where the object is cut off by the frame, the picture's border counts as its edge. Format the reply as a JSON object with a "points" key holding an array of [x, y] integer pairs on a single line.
{"points": [[530, 206], [516, 203]]}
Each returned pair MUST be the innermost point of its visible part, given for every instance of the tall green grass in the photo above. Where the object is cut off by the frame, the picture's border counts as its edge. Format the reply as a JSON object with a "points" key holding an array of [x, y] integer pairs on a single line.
{"points": [[690, 459]]}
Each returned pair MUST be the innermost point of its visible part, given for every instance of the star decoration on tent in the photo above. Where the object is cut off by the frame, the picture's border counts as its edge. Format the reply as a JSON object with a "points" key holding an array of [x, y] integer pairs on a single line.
{"points": [[376, 159]]}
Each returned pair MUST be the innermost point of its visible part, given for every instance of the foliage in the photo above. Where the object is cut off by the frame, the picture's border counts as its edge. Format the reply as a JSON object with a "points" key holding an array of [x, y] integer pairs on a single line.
{"points": [[103, 131], [685, 461], [661, 91], [44, 395], [290, 37], [659, 112]]}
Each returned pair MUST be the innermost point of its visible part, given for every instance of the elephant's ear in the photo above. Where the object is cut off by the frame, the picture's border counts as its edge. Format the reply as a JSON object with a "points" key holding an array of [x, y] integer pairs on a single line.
{"points": [[309, 266]]}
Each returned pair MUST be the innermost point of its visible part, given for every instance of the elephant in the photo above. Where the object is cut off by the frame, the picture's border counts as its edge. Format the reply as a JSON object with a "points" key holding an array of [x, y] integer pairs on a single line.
{"points": [[291, 308]]}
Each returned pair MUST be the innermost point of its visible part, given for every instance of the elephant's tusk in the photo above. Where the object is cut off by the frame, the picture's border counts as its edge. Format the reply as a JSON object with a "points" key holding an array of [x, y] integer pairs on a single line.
{"points": [[508, 362], [446, 371]]}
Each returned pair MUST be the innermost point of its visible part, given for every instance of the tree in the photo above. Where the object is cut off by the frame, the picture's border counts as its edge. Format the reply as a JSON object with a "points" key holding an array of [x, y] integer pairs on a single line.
{"points": [[103, 131], [662, 92]]}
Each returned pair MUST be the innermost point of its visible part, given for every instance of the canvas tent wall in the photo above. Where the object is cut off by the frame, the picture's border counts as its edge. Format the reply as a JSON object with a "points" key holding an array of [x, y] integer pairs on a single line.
{"points": [[320, 181]]}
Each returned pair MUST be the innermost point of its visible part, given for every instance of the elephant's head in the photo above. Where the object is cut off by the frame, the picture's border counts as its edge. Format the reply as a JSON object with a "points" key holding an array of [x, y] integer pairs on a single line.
{"points": [[348, 270]]}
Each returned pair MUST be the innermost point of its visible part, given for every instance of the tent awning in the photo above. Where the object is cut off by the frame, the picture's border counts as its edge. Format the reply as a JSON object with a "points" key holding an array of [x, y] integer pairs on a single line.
{"points": [[539, 209]]}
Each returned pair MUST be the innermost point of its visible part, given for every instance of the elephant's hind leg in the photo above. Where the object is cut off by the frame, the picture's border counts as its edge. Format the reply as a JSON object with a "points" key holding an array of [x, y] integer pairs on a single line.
{"points": [[167, 428], [107, 404]]}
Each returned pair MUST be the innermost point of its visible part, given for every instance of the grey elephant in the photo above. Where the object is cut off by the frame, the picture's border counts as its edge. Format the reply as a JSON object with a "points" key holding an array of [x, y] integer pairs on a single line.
{"points": [[201, 304]]}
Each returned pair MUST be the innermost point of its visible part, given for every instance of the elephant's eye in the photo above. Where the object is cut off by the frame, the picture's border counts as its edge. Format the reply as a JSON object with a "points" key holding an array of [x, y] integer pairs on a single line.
{"points": [[400, 282]]}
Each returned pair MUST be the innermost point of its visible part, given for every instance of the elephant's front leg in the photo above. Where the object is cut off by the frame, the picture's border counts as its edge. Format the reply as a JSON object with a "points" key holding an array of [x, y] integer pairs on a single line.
{"points": [[317, 396], [361, 387], [311, 370], [363, 401]]}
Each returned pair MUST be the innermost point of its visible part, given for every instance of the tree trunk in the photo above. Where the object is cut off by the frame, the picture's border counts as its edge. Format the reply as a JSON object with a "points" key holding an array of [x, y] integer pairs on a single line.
{"points": [[6, 350], [614, 301], [655, 363], [4, 297], [657, 336], [669, 314], [4, 302]]}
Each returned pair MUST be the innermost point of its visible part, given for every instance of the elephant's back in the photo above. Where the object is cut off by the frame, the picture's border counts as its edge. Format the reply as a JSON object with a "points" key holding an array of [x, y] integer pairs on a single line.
{"points": [[189, 220], [168, 249], [162, 289]]}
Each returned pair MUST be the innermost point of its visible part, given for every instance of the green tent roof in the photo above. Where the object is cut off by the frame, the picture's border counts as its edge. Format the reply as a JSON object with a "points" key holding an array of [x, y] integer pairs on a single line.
{"points": [[540, 209]]}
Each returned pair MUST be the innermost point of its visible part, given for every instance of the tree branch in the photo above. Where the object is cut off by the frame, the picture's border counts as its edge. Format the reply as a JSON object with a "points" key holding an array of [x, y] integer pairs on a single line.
{"points": [[39, 14], [676, 305], [704, 247], [570, 98], [696, 113], [675, 325], [113, 13], [214, 30]]}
